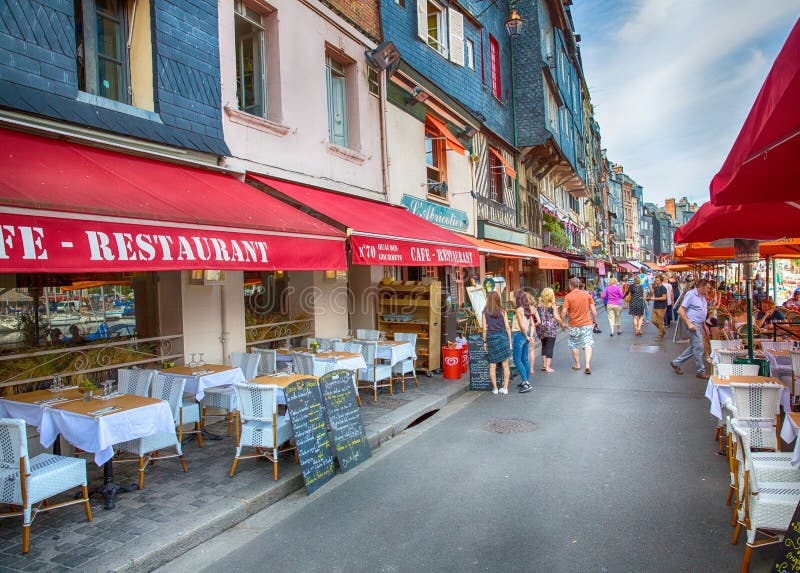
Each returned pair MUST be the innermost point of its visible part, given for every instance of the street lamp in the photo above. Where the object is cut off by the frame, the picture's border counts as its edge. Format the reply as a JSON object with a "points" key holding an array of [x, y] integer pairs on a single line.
{"points": [[514, 23]]}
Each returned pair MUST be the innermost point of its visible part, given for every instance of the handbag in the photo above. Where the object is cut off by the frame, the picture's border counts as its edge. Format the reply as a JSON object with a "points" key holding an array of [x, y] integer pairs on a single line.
{"points": [[605, 298]]}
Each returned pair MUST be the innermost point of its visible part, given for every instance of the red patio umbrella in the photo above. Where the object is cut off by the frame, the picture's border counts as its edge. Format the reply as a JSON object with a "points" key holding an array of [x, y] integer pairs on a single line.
{"points": [[763, 164], [760, 221]]}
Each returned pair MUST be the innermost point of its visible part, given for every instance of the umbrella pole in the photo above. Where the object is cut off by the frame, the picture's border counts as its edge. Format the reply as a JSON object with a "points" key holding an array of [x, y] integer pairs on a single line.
{"points": [[749, 320], [774, 281], [766, 278]]}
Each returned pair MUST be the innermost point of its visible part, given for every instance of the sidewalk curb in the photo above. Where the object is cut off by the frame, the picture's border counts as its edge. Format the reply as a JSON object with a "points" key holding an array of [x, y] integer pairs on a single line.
{"points": [[186, 532]]}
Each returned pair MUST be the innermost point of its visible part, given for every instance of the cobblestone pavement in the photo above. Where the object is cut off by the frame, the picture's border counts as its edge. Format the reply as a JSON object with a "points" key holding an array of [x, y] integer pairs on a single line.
{"points": [[63, 540]]}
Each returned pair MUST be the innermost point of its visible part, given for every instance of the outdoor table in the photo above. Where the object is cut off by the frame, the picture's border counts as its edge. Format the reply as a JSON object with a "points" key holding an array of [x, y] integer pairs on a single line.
{"points": [[343, 360], [789, 433], [393, 351], [92, 427], [281, 380], [718, 391], [198, 378], [30, 406], [285, 354]]}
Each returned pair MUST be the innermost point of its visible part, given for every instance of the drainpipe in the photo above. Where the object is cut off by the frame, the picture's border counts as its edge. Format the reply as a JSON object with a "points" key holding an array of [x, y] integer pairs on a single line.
{"points": [[224, 334], [384, 139]]}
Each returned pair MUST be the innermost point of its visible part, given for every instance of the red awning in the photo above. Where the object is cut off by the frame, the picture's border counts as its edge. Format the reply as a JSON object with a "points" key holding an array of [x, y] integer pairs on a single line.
{"points": [[628, 267], [760, 221], [509, 170], [512, 250], [380, 234], [66, 207], [450, 140], [763, 163]]}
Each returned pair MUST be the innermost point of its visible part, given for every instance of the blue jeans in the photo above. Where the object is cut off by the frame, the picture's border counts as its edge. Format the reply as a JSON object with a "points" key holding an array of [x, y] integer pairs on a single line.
{"points": [[695, 349], [520, 350]]}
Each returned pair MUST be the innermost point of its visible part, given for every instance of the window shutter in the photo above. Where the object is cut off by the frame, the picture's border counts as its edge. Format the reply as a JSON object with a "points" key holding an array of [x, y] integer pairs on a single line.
{"points": [[339, 111], [422, 20], [456, 20]]}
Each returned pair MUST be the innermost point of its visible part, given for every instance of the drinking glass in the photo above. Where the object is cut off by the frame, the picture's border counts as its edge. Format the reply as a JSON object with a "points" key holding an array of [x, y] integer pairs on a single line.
{"points": [[382, 336], [193, 361], [202, 360], [349, 334], [289, 368]]}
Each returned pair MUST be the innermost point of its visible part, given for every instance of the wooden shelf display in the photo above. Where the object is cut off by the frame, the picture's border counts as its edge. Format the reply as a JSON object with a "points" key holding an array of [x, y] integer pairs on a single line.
{"points": [[414, 307]]}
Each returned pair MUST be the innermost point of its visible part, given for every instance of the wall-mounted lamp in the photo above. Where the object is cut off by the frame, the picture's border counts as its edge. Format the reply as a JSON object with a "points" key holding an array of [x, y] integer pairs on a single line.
{"points": [[279, 274], [207, 277], [514, 23], [384, 57], [468, 132], [417, 96]]}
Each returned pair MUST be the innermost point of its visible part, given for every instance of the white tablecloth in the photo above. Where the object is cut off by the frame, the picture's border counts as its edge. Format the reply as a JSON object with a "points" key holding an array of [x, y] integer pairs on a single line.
{"points": [[717, 395], [395, 353], [31, 413], [197, 384], [99, 434], [788, 435], [347, 363]]}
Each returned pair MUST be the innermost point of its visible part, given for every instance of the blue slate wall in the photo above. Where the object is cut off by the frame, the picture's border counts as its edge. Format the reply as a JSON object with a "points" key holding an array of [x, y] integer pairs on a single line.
{"points": [[464, 85], [38, 72]]}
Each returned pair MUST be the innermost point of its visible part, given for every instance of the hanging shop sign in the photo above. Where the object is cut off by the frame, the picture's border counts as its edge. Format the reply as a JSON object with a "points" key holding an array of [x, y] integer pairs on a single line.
{"points": [[453, 219]]}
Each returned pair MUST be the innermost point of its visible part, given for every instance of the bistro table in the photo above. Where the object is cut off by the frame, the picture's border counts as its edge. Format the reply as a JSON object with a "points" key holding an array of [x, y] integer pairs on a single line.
{"points": [[96, 425], [718, 391], [198, 378], [393, 351], [30, 406], [789, 433], [342, 360]]}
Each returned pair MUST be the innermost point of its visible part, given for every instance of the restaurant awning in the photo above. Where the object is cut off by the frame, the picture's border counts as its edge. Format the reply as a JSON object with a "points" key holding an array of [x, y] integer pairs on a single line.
{"points": [[66, 207], [380, 234], [510, 250], [509, 170], [759, 221], [783, 249], [629, 267], [451, 141], [763, 162]]}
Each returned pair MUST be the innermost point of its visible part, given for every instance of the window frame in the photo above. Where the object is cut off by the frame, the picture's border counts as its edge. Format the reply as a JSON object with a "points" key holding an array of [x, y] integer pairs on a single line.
{"points": [[332, 65], [497, 179], [438, 152], [440, 43], [240, 10], [494, 68], [91, 54], [469, 53]]}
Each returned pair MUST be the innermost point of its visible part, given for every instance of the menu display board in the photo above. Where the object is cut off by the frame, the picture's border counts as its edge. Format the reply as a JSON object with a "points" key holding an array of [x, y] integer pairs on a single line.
{"points": [[478, 363], [788, 557], [344, 419], [313, 447]]}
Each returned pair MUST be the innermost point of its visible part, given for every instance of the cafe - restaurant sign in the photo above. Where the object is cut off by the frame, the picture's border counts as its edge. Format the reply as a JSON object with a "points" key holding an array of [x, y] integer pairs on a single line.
{"points": [[446, 217], [368, 250], [77, 243]]}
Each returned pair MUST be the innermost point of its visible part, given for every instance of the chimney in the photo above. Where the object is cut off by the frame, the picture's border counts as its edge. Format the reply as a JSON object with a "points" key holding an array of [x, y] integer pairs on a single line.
{"points": [[669, 207]]}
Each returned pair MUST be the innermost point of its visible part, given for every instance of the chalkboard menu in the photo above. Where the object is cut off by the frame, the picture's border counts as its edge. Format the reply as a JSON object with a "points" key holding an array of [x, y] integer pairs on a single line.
{"points": [[311, 437], [788, 558], [344, 419], [478, 363]]}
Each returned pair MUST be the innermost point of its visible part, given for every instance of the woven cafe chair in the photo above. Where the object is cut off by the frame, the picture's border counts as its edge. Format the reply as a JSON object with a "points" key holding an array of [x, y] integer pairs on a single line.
{"points": [[409, 365], [222, 397], [268, 362], [303, 362], [726, 355], [726, 344], [347, 347], [774, 346], [737, 369], [28, 482], [134, 381], [367, 334], [258, 425], [757, 406], [777, 369], [763, 507], [795, 358], [375, 375], [170, 389], [741, 332]]}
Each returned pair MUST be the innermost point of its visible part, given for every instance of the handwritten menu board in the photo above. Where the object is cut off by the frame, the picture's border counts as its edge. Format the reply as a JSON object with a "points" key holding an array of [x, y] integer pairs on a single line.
{"points": [[344, 419], [478, 363], [311, 437], [788, 558]]}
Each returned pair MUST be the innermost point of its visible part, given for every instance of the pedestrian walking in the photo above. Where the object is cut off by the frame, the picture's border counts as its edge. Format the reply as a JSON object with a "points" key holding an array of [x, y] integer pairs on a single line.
{"points": [[580, 312], [659, 304], [522, 338], [537, 319], [612, 297], [635, 298], [496, 339], [692, 312], [670, 300], [676, 292], [548, 327]]}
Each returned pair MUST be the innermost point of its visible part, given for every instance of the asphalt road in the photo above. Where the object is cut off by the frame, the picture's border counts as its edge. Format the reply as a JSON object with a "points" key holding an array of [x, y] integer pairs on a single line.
{"points": [[620, 475]]}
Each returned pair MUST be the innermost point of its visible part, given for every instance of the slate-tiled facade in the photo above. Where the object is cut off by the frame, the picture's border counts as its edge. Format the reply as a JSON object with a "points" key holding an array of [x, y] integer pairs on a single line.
{"points": [[38, 72]]}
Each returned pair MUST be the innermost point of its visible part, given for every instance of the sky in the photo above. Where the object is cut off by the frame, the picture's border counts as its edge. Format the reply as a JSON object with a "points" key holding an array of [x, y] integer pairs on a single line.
{"points": [[672, 82]]}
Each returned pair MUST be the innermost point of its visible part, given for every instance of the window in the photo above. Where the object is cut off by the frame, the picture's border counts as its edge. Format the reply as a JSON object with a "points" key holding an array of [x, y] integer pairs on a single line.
{"points": [[101, 31], [436, 28], [435, 161], [337, 101], [442, 29], [552, 110], [250, 70], [470, 54], [494, 59], [401, 3], [497, 175], [373, 81], [574, 205]]}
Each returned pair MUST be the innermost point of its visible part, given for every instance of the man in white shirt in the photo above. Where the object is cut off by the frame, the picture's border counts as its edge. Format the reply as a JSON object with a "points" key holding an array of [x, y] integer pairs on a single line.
{"points": [[670, 301]]}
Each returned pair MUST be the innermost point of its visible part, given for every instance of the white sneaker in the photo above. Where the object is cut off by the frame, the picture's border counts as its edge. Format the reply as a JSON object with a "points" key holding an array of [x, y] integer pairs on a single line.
{"points": [[494, 391], [504, 390]]}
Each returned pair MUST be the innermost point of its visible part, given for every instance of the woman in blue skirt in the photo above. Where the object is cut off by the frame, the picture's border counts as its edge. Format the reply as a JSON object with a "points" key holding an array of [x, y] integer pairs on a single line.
{"points": [[497, 339]]}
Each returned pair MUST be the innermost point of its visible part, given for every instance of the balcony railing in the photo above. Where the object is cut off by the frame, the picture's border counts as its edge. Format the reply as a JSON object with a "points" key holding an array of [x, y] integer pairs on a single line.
{"points": [[278, 331]]}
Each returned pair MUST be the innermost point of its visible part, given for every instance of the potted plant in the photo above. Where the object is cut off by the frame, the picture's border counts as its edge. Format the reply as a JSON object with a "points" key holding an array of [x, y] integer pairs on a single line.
{"points": [[86, 387], [314, 345]]}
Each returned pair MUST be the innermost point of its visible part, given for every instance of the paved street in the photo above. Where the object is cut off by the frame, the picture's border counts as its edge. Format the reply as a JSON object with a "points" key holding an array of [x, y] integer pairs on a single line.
{"points": [[620, 474]]}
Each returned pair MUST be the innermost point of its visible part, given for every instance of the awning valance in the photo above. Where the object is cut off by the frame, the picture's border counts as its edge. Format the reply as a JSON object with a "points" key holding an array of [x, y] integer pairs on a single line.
{"points": [[380, 234], [66, 207], [511, 250], [509, 170], [451, 141]]}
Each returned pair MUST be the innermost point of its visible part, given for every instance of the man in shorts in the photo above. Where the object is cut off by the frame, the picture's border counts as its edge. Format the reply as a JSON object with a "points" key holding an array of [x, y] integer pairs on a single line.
{"points": [[580, 311]]}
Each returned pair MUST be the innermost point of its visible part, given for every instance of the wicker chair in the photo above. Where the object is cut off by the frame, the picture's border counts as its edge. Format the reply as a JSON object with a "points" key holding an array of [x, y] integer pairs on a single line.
{"points": [[303, 363], [269, 359], [737, 369], [340, 346], [169, 389], [375, 373], [726, 344], [28, 482], [726, 355], [135, 382], [409, 365], [774, 346], [222, 397], [259, 426], [763, 506], [367, 334]]}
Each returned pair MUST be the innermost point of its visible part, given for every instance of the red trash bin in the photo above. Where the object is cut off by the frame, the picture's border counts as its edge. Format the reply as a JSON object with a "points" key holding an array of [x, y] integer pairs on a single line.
{"points": [[464, 358], [451, 359]]}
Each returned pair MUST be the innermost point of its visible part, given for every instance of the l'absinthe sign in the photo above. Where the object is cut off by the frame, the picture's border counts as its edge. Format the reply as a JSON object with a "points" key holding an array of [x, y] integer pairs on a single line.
{"points": [[77, 245]]}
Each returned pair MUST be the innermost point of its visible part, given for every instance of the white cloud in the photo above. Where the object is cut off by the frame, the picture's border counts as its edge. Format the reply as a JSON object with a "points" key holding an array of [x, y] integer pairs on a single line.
{"points": [[672, 81]]}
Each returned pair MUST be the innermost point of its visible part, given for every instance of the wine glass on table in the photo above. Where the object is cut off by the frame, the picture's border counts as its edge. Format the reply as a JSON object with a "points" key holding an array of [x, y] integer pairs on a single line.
{"points": [[193, 361], [202, 361]]}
